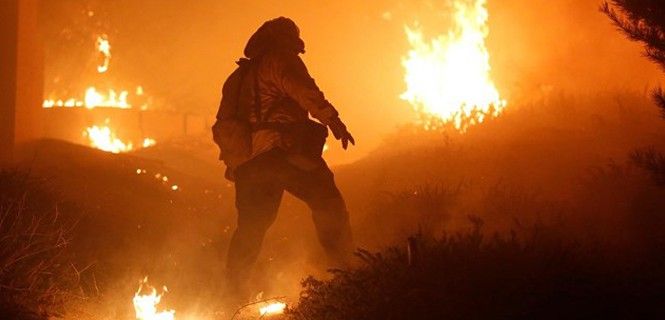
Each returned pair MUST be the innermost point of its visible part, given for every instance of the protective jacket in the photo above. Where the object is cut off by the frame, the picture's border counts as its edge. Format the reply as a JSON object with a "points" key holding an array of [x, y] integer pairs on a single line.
{"points": [[286, 92]]}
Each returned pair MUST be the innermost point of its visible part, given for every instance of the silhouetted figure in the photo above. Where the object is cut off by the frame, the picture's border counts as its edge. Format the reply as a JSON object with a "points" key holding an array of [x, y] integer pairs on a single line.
{"points": [[270, 146]]}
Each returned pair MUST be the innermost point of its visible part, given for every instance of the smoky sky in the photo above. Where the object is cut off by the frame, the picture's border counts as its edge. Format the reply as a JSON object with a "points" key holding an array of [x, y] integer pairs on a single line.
{"points": [[181, 51]]}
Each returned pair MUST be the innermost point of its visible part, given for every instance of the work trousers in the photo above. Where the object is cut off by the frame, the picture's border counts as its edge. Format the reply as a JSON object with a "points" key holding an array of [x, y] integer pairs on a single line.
{"points": [[260, 184]]}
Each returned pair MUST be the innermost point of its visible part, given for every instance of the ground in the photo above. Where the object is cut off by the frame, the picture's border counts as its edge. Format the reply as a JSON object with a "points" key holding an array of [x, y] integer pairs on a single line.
{"points": [[584, 168]]}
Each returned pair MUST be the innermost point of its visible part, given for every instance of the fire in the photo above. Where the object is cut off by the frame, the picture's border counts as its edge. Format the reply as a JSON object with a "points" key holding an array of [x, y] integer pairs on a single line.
{"points": [[103, 138], [104, 47], [272, 309], [93, 99], [448, 77], [149, 142], [145, 305]]}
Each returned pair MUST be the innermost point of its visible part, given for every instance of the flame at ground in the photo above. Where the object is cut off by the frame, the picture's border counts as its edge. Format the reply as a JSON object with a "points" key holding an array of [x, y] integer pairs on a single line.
{"points": [[448, 77], [105, 139], [272, 309], [145, 305]]}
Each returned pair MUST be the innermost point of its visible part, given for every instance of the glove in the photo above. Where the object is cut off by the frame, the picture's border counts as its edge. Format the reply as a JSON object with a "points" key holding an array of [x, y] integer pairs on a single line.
{"points": [[339, 131]]}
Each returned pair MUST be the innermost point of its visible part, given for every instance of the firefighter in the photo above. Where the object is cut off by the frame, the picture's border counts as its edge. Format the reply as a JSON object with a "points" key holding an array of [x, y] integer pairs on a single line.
{"points": [[276, 96]]}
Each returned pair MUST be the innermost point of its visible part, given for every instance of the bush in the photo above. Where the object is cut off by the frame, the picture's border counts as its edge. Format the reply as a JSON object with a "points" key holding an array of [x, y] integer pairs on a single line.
{"points": [[424, 209], [653, 162], [466, 276]]}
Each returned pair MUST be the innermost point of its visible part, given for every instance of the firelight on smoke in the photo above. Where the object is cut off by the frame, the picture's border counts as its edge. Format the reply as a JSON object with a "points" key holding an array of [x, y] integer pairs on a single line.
{"points": [[448, 77]]}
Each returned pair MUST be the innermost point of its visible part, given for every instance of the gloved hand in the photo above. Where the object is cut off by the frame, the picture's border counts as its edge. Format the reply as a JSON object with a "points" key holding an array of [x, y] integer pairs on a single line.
{"points": [[339, 131]]}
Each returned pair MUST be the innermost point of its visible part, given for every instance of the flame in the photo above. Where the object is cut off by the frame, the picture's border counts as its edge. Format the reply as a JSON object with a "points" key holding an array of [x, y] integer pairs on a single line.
{"points": [[93, 99], [104, 47], [145, 305], [149, 142], [272, 309], [103, 138], [448, 77]]}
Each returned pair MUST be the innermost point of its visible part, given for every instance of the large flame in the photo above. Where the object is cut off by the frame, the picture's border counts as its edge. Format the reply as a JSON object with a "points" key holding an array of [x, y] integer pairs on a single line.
{"points": [[448, 77], [145, 305]]}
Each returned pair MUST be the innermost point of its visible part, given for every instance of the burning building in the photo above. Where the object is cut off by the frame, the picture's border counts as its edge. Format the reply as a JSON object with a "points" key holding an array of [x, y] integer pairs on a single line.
{"points": [[92, 108]]}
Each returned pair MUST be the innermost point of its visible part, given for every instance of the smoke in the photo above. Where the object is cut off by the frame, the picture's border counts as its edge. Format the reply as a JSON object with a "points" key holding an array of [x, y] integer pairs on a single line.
{"points": [[570, 46], [182, 53]]}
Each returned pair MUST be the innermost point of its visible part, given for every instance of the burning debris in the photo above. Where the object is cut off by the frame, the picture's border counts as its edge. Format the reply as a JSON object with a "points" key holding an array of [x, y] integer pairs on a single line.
{"points": [[448, 77], [163, 179]]}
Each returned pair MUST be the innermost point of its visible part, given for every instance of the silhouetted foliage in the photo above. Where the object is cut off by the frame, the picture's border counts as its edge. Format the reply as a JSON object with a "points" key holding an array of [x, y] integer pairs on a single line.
{"points": [[469, 276], [651, 161], [642, 21]]}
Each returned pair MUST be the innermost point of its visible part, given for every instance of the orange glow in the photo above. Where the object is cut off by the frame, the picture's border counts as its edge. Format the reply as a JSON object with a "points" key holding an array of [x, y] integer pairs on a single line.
{"points": [[448, 77]]}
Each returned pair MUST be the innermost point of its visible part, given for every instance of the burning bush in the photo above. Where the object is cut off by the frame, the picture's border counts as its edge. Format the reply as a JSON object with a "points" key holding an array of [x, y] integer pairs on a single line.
{"points": [[468, 276], [35, 275]]}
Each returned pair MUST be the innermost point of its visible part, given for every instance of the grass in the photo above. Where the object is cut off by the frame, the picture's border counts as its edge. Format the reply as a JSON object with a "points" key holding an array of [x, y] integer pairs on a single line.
{"points": [[36, 275]]}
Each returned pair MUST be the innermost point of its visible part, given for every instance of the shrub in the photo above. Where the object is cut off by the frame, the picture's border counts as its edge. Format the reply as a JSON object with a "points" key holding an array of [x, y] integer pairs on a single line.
{"points": [[466, 276], [651, 161]]}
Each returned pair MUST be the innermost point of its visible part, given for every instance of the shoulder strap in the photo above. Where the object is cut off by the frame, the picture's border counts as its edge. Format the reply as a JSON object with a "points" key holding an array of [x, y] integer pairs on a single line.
{"points": [[257, 93], [242, 66]]}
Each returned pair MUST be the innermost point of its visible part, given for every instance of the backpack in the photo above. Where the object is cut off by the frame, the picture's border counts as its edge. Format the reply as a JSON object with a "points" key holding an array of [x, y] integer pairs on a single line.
{"points": [[232, 132]]}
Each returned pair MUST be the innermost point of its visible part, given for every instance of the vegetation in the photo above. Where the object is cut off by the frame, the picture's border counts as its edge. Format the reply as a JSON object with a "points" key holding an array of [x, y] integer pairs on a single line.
{"points": [[642, 21], [36, 275], [566, 234], [466, 276]]}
